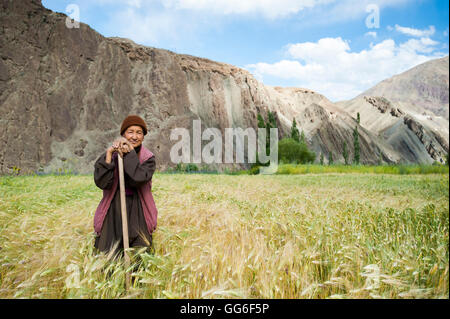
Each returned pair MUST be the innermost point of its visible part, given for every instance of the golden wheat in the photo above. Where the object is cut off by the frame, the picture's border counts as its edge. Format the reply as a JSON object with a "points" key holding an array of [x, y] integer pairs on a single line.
{"points": [[223, 236]]}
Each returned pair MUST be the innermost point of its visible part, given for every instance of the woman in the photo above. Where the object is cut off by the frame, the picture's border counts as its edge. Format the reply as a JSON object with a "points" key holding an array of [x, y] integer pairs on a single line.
{"points": [[139, 166]]}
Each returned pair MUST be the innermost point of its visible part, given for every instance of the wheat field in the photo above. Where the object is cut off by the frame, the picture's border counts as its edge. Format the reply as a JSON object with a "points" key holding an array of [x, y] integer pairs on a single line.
{"points": [[224, 236]]}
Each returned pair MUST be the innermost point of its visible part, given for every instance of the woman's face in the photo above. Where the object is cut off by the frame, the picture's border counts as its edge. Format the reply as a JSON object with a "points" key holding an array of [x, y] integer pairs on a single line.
{"points": [[135, 135]]}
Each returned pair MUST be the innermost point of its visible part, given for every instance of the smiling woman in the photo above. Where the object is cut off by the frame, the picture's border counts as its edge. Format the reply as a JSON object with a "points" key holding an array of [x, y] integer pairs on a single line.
{"points": [[139, 166]]}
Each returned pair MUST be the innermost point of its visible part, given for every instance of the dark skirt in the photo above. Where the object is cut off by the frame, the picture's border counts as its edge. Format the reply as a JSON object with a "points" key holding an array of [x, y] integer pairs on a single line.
{"points": [[111, 234]]}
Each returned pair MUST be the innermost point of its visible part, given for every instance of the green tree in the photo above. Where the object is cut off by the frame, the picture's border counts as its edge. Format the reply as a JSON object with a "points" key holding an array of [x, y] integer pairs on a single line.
{"points": [[261, 123], [330, 158], [321, 158], [289, 151], [302, 137], [271, 123], [356, 145], [271, 119], [380, 159], [345, 153], [294, 131], [358, 118]]}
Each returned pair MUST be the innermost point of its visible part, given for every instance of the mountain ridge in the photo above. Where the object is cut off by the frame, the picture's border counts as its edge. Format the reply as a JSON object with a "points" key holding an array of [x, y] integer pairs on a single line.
{"points": [[424, 84], [64, 93], [410, 110]]}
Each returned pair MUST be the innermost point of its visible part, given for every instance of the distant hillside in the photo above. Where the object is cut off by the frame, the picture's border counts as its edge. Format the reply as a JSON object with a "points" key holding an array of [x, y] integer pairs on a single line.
{"points": [[409, 111], [420, 89]]}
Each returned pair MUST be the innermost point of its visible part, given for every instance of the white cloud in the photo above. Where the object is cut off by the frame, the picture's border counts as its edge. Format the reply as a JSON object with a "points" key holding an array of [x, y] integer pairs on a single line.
{"points": [[268, 8], [154, 22], [148, 23], [416, 32], [330, 67], [423, 45], [151, 27], [347, 10], [327, 10], [319, 51], [134, 3], [371, 34]]}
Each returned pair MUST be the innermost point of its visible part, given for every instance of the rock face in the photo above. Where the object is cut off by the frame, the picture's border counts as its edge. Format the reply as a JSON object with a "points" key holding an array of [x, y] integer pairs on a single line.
{"points": [[383, 105], [64, 93], [68, 90]]}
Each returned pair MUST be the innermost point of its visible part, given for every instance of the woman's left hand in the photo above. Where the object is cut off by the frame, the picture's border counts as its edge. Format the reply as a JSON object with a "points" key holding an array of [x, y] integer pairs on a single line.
{"points": [[122, 145]]}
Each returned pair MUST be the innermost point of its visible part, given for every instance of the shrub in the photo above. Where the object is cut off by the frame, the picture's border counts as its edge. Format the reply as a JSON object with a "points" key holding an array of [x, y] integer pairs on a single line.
{"points": [[190, 167], [254, 170], [290, 151]]}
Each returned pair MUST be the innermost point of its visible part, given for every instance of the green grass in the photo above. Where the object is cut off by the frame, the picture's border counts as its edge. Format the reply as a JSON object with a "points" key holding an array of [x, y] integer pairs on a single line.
{"points": [[317, 235], [362, 169]]}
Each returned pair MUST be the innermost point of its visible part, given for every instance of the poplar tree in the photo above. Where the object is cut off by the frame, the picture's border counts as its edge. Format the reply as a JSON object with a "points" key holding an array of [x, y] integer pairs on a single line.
{"points": [[345, 153], [271, 123], [261, 124], [356, 145], [294, 131], [302, 137]]}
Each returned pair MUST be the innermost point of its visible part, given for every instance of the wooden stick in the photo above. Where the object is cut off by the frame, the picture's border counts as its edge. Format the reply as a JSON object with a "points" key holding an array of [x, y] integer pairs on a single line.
{"points": [[123, 204]]}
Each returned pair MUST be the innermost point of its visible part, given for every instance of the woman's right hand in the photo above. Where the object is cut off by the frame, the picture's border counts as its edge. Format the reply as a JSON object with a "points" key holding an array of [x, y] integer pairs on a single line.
{"points": [[112, 149], [120, 145]]}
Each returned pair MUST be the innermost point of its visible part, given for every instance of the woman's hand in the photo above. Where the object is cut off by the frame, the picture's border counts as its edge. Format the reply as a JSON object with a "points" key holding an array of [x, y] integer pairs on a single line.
{"points": [[120, 145]]}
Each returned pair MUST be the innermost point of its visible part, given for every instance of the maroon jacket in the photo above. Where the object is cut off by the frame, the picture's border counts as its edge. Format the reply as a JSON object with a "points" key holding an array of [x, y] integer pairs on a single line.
{"points": [[145, 195]]}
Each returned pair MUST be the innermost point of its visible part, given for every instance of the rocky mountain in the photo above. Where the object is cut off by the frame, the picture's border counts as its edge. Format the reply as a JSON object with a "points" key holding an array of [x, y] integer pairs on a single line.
{"points": [[423, 89], [409, 111], [65, 91]]}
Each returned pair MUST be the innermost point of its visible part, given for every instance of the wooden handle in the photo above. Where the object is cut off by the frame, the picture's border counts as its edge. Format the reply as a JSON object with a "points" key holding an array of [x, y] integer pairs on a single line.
{"points": [[123, 205]]}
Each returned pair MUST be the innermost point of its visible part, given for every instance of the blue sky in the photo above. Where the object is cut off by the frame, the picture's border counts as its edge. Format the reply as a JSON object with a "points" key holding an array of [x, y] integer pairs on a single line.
{"points": [[337, 48]]}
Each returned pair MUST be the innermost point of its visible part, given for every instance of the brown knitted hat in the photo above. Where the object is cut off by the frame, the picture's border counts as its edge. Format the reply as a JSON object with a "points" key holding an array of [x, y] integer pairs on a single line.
{"points": [[133, 120]]}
